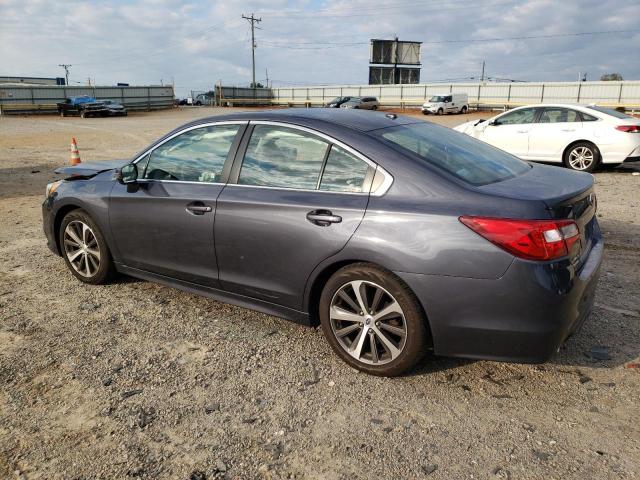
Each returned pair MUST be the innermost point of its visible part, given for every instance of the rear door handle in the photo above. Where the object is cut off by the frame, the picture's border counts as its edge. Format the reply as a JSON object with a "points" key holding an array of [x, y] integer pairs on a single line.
{"points": [[323, 218], [198, 208], [568, 129], [523, 131]]}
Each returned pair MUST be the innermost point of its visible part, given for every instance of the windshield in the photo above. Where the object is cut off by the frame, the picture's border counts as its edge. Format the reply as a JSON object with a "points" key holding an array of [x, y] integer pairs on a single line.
{"points": [[468, 159], [437, 99], [610, 111]]}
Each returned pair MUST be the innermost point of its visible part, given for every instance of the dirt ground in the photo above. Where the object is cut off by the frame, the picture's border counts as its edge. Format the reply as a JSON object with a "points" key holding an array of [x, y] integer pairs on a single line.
{"points": [[135, 379]]}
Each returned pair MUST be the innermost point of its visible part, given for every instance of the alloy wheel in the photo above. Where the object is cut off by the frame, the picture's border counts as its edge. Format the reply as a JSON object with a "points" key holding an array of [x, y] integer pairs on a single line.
{"points": [[368, 322], [81, 248], [581, 158]]}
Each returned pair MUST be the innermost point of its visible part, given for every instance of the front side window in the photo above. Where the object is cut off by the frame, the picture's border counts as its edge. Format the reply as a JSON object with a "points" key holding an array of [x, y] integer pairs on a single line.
{"points": [[559, 115], [197, 155], [343, 172], [469, 159], [283, 157], [516, 117]]}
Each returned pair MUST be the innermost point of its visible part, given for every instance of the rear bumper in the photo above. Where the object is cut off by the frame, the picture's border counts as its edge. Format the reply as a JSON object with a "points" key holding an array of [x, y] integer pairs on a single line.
{"points": [[524, 316]]}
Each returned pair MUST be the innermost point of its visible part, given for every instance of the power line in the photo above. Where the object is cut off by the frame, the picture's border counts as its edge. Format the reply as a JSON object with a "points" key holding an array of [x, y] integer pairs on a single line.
{"points": [[323, 45]]}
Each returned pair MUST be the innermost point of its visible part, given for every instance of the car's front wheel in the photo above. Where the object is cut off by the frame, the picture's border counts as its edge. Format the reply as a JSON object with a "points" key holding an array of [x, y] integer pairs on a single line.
{"points": [[84, 249], [464, 110], [440, 111], [582, 156], [372, 320]]}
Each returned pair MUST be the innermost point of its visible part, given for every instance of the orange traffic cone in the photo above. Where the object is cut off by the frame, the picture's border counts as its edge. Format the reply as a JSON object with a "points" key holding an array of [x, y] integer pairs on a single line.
{"points": [[75, 154]]}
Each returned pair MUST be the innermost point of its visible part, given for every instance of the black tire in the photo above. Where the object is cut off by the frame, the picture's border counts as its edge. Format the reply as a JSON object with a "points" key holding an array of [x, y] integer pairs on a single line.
{"points": [[589, 149], [375, 107], [106, 269], [83, 114], [609, 166], [63, 113], [440, 111], [416, 337], [464, 110], [424, 112]]}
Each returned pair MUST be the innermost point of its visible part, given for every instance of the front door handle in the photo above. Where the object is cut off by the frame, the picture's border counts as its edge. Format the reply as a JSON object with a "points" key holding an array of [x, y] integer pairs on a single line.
{"points": [[323, 218], [523, 131], [198, 208]]}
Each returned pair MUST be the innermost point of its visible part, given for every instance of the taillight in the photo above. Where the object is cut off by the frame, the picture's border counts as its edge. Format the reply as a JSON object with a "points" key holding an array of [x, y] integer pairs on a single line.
{"points": [[528, 239], [628, 128]]}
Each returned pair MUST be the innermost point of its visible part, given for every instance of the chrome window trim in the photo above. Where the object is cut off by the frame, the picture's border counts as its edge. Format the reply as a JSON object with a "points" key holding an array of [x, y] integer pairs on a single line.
{"points": [[188, 129], [381, 190]]}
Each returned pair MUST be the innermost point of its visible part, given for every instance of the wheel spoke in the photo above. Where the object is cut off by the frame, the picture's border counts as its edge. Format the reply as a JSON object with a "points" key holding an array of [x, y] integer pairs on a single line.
{"points": [[374, 348], [358, 343], [345, 296], [338, 313], [70, 231], [376, 299], [358, 290], [393, 329], [86, 265], [94, 253], [74, 255], [389, 310], [347, 330], [388, 344], [85, 230]]}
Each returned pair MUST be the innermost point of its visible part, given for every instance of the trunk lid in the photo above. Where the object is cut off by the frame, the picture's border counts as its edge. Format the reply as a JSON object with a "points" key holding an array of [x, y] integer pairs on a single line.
{"points": [[91, 169], [566, 195]]}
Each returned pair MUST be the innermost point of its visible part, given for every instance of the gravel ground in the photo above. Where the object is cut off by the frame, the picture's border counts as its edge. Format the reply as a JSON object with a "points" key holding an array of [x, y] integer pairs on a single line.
{"points": [[135, 379]]}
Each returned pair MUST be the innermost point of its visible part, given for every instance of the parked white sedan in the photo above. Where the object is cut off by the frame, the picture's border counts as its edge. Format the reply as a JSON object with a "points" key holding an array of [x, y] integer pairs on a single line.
{"points": [[581, 137]]}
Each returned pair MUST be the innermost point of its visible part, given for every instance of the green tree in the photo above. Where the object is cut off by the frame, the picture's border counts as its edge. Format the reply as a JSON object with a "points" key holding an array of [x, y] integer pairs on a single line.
{"points": [[611, 77]]}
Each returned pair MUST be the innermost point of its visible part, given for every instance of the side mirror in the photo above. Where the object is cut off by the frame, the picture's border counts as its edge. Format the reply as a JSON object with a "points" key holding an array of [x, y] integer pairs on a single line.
{"points": [[128, 174], [494, 123]]}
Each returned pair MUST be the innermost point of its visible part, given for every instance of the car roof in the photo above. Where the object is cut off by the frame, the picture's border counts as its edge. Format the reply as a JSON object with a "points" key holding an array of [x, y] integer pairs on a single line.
{"points": [[360, 120]]}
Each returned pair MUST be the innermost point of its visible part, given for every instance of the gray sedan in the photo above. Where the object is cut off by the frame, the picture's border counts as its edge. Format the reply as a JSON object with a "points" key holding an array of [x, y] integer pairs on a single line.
{"points": [[362, 103], [397, 236]]}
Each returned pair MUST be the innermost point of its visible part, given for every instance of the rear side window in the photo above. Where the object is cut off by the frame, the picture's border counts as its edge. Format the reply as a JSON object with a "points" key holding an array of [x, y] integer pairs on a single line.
{"points": [[610, 111], [343, 172], [559, 115], [587, 118], [466, 158], [197, 155], [283, 157]]}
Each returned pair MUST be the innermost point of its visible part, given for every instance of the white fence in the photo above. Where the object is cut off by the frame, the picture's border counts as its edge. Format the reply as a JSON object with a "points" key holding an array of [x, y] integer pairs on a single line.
{"points": [[614, 94]]}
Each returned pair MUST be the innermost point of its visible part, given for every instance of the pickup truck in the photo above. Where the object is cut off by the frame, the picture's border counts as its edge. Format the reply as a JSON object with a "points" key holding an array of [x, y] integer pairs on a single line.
{"points": [[85, 106]]}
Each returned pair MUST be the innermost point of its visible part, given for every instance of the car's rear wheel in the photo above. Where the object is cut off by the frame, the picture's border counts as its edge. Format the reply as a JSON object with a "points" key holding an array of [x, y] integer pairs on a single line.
{"points": [[582, 156], [84, 249], [372, 320]]}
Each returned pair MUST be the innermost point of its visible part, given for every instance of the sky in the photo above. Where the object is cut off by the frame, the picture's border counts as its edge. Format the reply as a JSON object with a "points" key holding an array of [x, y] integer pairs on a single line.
{"points": [[196, 44]]}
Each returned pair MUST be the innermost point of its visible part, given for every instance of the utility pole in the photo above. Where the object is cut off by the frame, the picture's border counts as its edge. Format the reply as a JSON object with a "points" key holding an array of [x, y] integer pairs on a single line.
{"points": [[266, 72], [253, 20], [66, 70], [482, 76], [395, 64]]}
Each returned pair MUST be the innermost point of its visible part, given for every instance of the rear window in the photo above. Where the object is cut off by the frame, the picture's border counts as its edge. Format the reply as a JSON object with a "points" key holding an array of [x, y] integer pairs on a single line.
{"points": [[466, 158], [610, 111]]}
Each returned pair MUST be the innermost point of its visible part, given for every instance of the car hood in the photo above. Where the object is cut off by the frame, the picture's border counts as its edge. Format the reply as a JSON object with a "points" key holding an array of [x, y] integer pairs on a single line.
{"points": [[550, 184], [466, 127], [90, 169]]}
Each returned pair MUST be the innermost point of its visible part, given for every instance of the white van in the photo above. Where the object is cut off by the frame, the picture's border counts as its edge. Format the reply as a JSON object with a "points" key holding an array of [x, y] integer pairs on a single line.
{"points": [[447, 103]]}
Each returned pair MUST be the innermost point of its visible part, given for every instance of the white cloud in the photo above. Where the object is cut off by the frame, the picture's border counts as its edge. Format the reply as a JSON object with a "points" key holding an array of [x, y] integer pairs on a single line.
{"points": [[197, 43]]}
